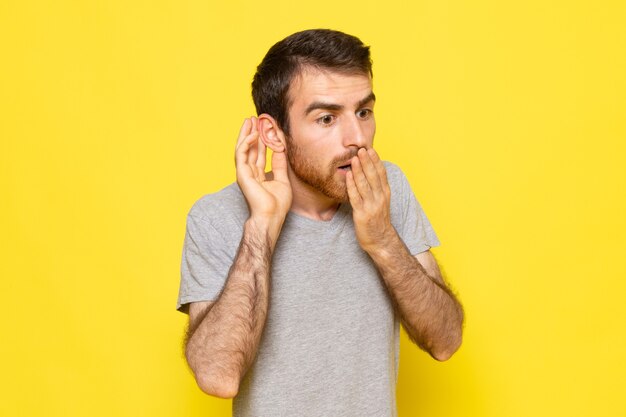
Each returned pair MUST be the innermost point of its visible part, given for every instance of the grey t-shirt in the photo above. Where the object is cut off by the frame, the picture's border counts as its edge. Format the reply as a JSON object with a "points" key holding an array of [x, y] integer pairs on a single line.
{"points": [[330, 346]]}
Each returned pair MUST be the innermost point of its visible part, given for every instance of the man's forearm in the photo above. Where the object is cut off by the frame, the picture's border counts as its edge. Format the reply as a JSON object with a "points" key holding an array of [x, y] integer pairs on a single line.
{"points": [[430, 312], [223, 344]]}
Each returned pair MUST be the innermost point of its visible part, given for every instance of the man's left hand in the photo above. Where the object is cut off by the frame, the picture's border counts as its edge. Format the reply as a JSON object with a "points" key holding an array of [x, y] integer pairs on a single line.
{"points": [[370, 196]]}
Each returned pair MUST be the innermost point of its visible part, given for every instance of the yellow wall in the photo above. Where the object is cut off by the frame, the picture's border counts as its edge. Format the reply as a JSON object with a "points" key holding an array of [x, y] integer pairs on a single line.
{"points": [[508, 118]]}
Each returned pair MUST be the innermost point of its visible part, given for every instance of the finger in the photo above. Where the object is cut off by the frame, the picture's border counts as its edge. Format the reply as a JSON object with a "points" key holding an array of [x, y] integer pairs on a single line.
{"points": [[279, 166], [353, 194], [380, 168], [243, 132], [253, 152], [256, 151], [360, 180], [260, 160], [242, 151], [255, 123], [369, 170]]}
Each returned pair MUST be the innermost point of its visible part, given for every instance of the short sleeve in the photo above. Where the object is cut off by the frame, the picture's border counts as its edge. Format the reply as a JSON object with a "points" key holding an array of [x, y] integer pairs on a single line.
{"points": [[205, 263], [411, 222]]}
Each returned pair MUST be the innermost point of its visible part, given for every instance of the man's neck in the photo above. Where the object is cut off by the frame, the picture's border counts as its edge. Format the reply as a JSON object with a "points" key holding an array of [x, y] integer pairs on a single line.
{"points": [[309, 202]]}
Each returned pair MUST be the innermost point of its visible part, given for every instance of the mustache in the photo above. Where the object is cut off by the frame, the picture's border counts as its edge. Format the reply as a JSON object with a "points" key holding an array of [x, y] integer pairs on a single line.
{"points": [[343, 158]]}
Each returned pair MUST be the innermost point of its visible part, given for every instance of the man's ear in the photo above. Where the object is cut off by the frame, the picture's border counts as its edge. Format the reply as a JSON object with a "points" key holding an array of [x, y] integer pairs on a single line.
{"points": [[271, 135]]}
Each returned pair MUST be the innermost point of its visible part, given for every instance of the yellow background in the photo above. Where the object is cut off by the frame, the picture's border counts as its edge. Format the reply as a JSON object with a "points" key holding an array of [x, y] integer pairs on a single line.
{"points": [[508, 118]]}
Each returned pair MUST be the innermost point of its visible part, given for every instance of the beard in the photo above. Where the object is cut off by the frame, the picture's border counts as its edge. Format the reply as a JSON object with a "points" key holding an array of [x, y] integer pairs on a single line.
{"points": [[322, 179]]}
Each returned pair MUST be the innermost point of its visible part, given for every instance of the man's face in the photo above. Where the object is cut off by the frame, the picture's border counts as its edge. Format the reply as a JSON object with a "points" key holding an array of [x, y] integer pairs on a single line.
{"points": [[330, 118]]}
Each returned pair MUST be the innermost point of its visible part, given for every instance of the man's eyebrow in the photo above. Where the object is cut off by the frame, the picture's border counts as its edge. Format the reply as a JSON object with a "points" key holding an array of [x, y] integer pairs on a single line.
{"points": [[335, 107], [370, 97], [322, 105]]}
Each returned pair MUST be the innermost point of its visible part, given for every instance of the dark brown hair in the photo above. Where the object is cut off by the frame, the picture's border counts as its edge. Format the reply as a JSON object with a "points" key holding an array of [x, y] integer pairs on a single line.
{"points": [[318, 48]]}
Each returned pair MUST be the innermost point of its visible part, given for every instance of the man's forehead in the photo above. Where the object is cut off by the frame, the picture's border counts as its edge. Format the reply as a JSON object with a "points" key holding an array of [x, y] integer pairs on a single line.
{"points": [[313, 84]]}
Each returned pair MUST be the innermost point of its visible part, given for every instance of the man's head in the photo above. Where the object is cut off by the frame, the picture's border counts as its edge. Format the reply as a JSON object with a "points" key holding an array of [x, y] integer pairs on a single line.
{"points": [[323, 49], [313, 94]]}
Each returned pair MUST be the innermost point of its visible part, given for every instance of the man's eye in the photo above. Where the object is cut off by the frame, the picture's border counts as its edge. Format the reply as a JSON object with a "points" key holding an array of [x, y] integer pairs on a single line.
{"points": [[326, 120], [364, 113]]}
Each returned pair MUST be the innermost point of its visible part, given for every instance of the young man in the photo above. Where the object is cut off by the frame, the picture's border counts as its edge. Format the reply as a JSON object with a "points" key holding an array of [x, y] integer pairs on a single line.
{"points": [[296, 280]]}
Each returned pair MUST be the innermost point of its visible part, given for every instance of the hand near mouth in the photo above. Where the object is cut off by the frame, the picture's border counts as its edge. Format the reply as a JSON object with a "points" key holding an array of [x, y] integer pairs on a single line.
{"points": [[370, 196]]}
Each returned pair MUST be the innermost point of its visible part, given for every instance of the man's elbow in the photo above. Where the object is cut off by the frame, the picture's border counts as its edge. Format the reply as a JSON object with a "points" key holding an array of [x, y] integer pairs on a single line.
{"points": [[210, 378], [218, 387], [445, 352]]}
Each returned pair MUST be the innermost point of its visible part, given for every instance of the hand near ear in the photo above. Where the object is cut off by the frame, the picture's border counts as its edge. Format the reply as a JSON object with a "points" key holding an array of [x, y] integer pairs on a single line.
{"points": [[268, 196]]}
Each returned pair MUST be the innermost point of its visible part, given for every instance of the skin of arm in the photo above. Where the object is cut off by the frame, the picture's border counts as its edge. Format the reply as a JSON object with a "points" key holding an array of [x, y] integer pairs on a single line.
{"points": [[223, 336], [429, 311]]}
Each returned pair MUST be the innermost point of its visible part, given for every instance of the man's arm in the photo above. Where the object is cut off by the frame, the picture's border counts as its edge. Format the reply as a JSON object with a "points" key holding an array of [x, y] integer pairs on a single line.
{"points": [[431, 314], [223, 336]]}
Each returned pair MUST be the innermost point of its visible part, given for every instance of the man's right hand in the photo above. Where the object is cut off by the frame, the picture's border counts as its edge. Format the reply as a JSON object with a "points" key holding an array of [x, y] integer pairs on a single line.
{"points": [[224, 335], [268, 195]]}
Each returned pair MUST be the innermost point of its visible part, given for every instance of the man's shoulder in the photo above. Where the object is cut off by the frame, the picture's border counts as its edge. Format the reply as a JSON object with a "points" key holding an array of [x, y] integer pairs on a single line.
{"points": [[395, 176], [228, 202], [401, 190]]}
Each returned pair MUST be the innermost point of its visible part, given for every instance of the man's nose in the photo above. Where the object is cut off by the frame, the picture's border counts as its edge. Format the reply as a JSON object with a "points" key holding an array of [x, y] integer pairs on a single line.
{"points": [[355, 134]]}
